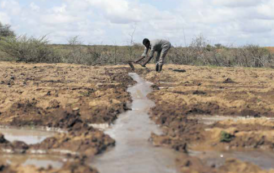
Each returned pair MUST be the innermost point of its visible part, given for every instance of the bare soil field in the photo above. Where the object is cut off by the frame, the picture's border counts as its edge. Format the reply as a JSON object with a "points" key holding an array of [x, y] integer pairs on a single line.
{"points": [[184, 94], [61, 96], [71, 97]]}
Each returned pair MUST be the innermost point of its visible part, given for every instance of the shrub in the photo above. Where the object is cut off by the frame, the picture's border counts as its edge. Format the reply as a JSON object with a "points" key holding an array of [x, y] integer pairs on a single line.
{"points": [[226, 137], [200, 52], [29, 49], [5, 31]]}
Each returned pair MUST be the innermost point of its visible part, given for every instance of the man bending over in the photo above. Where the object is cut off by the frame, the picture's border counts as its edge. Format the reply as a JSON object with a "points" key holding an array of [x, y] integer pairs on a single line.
{"points": [[159, 46]]}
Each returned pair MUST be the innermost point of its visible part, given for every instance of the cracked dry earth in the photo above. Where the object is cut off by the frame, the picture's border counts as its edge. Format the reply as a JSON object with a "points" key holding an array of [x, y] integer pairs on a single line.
{"points": [[185, 95], [61, 96]]}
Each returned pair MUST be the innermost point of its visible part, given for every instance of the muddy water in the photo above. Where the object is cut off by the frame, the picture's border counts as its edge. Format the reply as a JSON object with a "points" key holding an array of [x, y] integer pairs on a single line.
{"points": [[262, 159], [29, 136], [211, 119], [133, 152], [43, 161]]}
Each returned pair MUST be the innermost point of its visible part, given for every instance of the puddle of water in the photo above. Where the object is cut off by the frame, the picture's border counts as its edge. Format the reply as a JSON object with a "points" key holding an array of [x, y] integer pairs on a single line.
{"points": [[133, 152], [102, 127], [39, 161], [209, 120], [262, 159], [29, 136]]}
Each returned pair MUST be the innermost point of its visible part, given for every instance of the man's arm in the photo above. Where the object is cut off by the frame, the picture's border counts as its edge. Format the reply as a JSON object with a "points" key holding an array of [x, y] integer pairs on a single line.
{"points": [[145, 52], [151, 53], [143, 56], [150, 57]]}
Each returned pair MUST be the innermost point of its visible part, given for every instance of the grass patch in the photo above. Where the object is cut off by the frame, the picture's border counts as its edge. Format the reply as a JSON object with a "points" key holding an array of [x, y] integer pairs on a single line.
{"points": [[226, 137]]}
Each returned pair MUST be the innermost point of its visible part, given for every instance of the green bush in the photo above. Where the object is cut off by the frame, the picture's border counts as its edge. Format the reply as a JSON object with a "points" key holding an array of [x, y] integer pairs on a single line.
{"points": [[26, 49], [226, 137]]}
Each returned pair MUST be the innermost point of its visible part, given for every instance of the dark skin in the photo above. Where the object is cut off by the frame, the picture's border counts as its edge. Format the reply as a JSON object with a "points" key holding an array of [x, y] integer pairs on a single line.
{"points": [[138, 60], [148, 46]]}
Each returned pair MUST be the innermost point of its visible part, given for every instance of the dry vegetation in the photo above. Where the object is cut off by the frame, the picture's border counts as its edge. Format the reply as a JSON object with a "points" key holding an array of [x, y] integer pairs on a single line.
{"points": [[199, 52]]}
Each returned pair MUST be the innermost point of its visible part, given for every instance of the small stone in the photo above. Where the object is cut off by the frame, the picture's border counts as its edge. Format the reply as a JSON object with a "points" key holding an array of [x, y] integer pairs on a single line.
{"points": [[48, 93], [20, 145], [228, 80], [76, 109]]}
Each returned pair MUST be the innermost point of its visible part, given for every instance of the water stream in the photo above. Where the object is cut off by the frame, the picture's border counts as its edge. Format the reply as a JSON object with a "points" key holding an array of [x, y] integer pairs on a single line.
{"points": [[29, 136], [133, 152], [43, 161], [262, 159]]}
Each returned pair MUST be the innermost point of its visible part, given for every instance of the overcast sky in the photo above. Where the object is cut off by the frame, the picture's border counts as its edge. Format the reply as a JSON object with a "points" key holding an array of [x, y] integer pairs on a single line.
{"points": [[229, 22]]}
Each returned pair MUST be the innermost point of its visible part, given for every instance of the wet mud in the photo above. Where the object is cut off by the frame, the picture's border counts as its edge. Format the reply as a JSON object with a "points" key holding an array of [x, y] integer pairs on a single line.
{"points": [[41, 161], [134, 152], [217, 158], [27, 135]]}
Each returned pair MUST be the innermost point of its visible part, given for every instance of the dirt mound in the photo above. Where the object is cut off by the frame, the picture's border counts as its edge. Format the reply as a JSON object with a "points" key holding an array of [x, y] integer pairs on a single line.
{"points": [[69, 167], [178, 130], [64, 96], [210, 91], [228, 80], [41, 94], [87, 142], [234, 166]]}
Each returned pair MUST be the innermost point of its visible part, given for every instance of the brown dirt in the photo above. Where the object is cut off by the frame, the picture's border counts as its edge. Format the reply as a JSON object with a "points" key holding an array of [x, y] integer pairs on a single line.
{"points": [[70, 167], [71, 96], [39, 93], [211, 91], [64, 96]]}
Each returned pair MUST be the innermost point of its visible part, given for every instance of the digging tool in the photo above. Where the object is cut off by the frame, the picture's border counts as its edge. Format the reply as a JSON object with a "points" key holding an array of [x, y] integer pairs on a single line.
{"points": [[130, 63]]}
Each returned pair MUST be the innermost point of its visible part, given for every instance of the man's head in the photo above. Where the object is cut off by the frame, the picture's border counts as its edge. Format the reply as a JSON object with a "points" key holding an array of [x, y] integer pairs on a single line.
{"points": [[146, 42]]}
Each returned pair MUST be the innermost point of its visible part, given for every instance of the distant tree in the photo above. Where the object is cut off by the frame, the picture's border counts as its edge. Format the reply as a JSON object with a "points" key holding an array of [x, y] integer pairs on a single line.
{"points": [[209, 47], [5, 31], [74, 41], [219, 46]]}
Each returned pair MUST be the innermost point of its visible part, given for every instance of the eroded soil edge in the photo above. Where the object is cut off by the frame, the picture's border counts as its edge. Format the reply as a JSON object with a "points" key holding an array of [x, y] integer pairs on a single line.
{"points": [[69, 97], [207, 91]]}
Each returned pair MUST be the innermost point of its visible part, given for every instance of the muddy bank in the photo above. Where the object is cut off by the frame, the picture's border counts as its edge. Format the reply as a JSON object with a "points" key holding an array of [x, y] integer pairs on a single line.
{"points": [[61, 96], [69, 167], [207, 91]]}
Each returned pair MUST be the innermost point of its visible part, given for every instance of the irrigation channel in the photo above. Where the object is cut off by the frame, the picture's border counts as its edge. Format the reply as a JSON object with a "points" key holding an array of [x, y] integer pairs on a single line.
{"points": [[133, 152]]}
